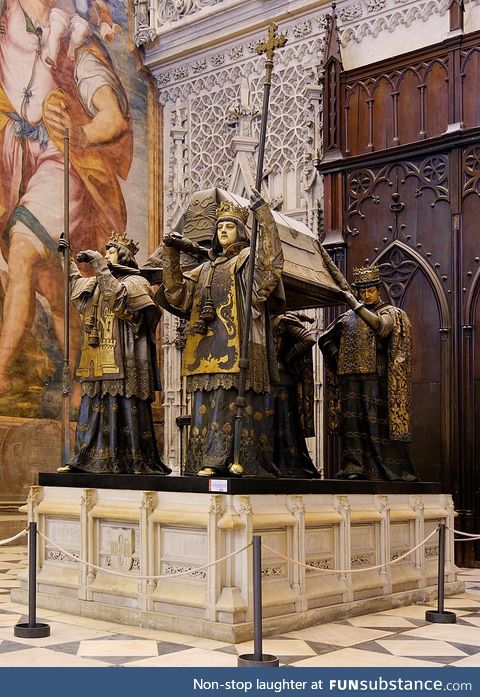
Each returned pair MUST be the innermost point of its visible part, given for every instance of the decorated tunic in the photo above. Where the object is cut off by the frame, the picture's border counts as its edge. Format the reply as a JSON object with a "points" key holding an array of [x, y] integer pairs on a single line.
{"points": [[212, 360], [117, 352], [369, 392]]}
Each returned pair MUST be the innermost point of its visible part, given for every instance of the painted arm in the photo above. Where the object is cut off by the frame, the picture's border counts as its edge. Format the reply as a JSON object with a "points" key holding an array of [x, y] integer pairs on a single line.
{"points": [[108, 124]]}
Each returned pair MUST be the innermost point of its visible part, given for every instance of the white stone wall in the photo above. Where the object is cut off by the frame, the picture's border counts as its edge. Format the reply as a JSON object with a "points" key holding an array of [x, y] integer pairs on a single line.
{"points": [[209, 81]]}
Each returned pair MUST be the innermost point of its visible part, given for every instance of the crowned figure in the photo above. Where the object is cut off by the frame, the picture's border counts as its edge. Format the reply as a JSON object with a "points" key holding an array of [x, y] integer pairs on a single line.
{"points": [[368, 351], [116, 364], [213, 297]]}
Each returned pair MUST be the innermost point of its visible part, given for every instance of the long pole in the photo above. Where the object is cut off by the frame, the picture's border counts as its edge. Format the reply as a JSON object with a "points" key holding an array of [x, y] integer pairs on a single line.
{"points": [[268, 47], [440, 615], [66, 306], [32, 629], [257, 598]]}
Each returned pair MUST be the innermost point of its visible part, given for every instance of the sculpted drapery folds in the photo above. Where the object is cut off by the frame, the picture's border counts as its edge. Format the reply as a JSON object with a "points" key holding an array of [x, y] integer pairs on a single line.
{"points": [[368, 352], [116, 365], [213, 297], [293, 395]]}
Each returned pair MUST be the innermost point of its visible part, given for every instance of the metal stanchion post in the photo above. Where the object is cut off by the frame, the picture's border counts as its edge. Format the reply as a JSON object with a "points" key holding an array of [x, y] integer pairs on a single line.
{"points": [[32, 629], [257, 658], [440, 615]]}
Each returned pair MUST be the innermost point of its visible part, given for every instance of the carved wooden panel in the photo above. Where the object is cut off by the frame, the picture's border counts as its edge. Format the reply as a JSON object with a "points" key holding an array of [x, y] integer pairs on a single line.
{"points": [[398, 216], [469, 70], [396, 107]]}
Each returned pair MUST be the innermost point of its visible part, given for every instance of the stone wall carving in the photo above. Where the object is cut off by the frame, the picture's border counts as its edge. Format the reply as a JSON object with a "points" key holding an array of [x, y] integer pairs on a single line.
{"points": [[358, 18], [172, 10]]}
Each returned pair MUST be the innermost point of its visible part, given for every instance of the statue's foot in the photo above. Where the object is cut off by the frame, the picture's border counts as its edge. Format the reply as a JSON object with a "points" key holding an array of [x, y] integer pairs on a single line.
{"points": [[206, 472], [68, 468], [355, 477], [5, 384], [236, 470]]}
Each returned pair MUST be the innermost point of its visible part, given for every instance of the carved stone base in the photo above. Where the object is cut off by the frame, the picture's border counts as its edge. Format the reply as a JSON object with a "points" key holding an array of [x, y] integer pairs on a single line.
{"points": [[151, 533]]}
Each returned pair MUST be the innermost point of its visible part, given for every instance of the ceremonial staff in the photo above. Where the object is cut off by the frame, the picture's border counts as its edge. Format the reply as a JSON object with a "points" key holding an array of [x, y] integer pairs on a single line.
{"points": [[268, 47], [66, 308]]}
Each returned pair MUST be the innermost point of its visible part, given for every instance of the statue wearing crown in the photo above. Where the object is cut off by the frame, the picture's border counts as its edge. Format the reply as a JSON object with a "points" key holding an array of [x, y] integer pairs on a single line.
{"points": [[116, 364], [212, 296], [368, 352]]}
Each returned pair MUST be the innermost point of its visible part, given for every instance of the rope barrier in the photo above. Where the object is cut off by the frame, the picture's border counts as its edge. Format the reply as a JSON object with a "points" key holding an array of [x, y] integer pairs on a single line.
{"points": [[352, 571], [309, 567], [466, 534], [142, 578], [15, 537]]}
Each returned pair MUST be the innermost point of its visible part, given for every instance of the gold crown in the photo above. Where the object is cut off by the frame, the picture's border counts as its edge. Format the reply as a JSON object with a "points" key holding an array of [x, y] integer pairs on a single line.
{"points": [[125, 241], [366, 276], [228, 209]]}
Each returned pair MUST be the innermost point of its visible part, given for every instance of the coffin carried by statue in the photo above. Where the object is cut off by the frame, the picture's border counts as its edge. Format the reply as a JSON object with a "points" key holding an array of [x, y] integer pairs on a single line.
{"points": [[306, 280]]}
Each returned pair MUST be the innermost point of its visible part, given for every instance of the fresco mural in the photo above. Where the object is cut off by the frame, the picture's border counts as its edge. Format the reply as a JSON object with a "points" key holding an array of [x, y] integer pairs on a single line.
{"points": [[63, 63]]}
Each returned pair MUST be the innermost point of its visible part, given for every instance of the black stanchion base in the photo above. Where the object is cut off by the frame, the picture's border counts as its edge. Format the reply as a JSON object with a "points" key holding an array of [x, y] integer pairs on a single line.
{"points": [[38, 631], [247, 660], [445, 617]]}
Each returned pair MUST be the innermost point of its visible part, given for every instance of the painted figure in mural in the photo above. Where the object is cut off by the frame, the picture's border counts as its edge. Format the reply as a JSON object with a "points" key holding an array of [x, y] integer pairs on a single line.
{"points": [[292, 396], [55, 73], [116, 364], [213, 296], [368, 351]]}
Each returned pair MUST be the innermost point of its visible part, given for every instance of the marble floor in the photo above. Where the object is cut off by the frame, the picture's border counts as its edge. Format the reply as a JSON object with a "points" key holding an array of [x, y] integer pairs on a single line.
{"points": [[396, 638]]}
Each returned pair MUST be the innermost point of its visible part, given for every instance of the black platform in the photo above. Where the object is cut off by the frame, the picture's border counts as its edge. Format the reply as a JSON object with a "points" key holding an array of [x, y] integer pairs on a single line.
{"points": [[248, 485]]}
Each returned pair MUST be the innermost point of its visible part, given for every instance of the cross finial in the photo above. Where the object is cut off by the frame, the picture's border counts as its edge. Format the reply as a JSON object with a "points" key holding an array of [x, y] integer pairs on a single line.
{"points": [[272, 42]]}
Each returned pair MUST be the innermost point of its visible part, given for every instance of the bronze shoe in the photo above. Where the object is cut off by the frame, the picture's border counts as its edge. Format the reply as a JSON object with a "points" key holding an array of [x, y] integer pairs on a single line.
{"points": [[206, 472]]}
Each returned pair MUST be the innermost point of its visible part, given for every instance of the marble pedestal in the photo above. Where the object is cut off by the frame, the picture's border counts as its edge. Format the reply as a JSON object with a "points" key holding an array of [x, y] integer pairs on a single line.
{"points": [[162, 526]]}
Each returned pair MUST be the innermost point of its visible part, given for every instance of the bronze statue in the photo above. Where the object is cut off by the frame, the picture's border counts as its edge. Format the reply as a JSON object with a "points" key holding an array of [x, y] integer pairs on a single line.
{"points": [[116, 365], [213, 297], [293, 395], [368, 351]]}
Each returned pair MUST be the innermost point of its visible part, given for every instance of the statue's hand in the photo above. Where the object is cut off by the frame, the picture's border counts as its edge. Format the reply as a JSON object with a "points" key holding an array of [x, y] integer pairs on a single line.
{"points": [[352, 301], [177, 241], [87, 256], [256, 200], [172, 239]]}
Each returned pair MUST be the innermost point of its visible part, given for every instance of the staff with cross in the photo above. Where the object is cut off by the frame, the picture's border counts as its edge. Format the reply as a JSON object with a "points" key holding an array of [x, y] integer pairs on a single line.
{"points": [[268, 48]]}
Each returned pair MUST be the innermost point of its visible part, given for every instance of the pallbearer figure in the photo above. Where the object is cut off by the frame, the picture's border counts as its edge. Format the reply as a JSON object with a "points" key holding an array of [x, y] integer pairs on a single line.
{"points": [[117, 365], [213, 296], [369, 353]]}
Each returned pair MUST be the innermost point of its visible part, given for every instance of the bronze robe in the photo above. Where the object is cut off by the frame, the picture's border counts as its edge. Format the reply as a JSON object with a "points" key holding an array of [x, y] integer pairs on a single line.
{"points": [[369, 392], [118, 372], [211, 360]]}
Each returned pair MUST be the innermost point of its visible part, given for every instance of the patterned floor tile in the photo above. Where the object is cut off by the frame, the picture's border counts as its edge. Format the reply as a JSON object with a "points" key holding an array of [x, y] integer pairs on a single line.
{"points": [[191, 658], [118, 647], [469, 662], [44, 658], [164, 647], [448, 632], [279, 647], [384, 621], [70, 647], [356, 658], [59, 633], [420, 648], [7, 646], [338, 635]]}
